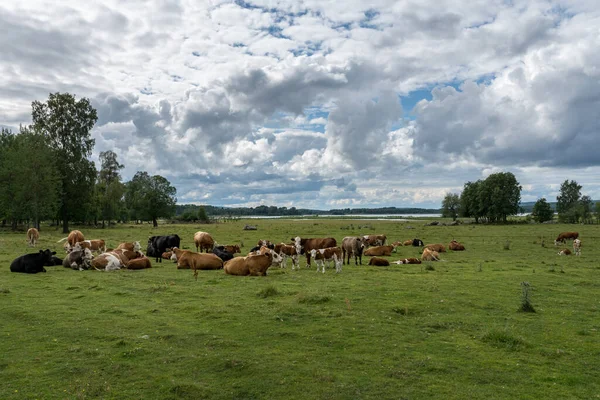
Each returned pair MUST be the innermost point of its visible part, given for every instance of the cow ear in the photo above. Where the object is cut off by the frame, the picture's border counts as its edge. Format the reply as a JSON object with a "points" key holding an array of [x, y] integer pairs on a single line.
{"points": [[41, 251], [53, 253]]}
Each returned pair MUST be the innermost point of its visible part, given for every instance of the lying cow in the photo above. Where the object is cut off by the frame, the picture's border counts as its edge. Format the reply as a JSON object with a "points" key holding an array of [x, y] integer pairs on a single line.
{"points": [[107, 262], [131, 246], [417, 243], [97, 245], [166, 255], [562, 237], [577, 247], [410, 260], [254, 265], [379, 262], [436, 247], [380, 251], [159, 244], [304, 246], [54, 261], [232, 248], [430, 255], [223, 254], [455, 246], [196, 261], [32, 263], [374, 240], [330, 255], [78, 258], [565, 252], [33, 236], [352, 246], [139, 263]]}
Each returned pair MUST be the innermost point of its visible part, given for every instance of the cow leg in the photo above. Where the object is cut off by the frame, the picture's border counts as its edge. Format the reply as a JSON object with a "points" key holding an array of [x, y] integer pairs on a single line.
{"points": [[307, 260]]}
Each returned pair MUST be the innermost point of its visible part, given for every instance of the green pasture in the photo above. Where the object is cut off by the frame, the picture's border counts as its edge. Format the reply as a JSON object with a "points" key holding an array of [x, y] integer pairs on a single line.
{"points": [[445, 330]]}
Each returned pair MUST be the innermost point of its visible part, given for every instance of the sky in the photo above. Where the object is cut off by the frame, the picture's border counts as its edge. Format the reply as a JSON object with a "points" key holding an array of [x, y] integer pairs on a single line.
{"points": [[321, 104]]}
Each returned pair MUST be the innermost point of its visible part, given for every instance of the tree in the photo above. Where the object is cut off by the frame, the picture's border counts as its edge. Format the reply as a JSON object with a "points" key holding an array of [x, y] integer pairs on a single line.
{"points": [[542, 211], [469, 200], [67, 124], [151, 197], [110, 190], [567, 200], [597, 208], [585, 208], [202, 217], [451, 205], [499, 196]]}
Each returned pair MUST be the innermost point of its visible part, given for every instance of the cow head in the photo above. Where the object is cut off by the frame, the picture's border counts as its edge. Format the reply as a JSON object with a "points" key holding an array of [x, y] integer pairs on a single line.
{"points": [[298, 244]]}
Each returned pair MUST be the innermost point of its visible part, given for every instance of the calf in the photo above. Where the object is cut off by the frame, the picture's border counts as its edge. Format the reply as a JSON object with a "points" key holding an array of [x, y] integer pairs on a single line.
{"points": [[565, 252], [304, 246], [380, 251], [331, 255], [288, 251], [417, 243], [254, 265], [374, 240], [232, 248], [167, 255], [562, 237], [32, 263], [577, 247], [32, 236], [379, 262], [159, 244]]}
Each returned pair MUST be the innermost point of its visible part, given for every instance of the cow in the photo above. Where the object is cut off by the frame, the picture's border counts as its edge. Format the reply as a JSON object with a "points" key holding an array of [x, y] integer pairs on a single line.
{"points": [[166, 255], [380, 251], [329, 254], [352, 245], [577, 247], [94, 245], [203, 241], [256, 248], [223, 254], [379, 262], [565, 252], [288, 251], [264, 242], [74, 237], [33, 236], [436, 247], [276, 257], [408, 242], [455, 246], [139, 263], [562, 237], [304, 246], [254, 265], [417, 243], [78, 258], [131, 246], [54, 261], [159, 244], [32, 263], [107, 262], [398, 243], [430, 255], [410, 260], [374, 240], [232, 248], [196, 261]]}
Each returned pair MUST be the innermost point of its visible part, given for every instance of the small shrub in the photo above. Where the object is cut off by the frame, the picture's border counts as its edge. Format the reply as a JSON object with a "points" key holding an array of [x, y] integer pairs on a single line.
{"points": [[3, 290], [479, 269], [503, 339], [429, 267], [507, 245], [526, 305], [313, 299], [400, 310], [268, 292]]}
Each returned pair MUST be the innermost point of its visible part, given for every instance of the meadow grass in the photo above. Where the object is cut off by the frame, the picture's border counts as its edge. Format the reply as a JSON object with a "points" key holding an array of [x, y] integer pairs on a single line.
{"points": [[405, 331]]}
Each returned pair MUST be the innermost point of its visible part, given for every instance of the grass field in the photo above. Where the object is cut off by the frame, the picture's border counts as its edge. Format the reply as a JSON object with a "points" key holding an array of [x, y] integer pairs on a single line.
{"points": [[448, 330]]}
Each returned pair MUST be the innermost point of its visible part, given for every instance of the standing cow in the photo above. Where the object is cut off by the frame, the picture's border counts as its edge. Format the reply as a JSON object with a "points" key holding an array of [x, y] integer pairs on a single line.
{"points": [[204, 242], [304, 246], [32, 236], [352, 245], [563, 236], [157, 245]]}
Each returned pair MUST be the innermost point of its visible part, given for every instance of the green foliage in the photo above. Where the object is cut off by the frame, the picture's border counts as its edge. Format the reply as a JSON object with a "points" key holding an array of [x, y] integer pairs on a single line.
{"points": [[202, 214], [492, 199], [451, 206], [526, 305], [542, 211], [109, 189], [567, 201], [67, 124], [597, 211], [150, 197]]}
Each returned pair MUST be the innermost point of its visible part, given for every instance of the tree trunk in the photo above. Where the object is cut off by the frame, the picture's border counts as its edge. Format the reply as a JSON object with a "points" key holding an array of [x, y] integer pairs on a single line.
{"points": [[14, 225], [154, 222], [65, 225]]}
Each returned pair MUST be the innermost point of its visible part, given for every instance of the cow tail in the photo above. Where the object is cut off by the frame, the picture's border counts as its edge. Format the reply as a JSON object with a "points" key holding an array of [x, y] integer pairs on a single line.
{"points": [[63, 239]]}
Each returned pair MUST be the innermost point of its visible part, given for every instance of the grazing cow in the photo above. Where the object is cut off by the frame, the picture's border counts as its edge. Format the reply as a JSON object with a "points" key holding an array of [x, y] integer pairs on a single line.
{"points": [[436, 247], [107, 262], [32, 263], [223, 254], [139, 263], [78, 258], [562, 238], [410, 260], [565, 252], [304, 246], [577, 247], [352, 245], [232, 248], [417, 243], [288, 251], [455, 246], [374, 240], [203, 241], [94, 245], [131, 246], [331, 255], [159, 244], [33, 236], [254, 265], [196, 261], [379, 262], [380, 251], [74, 237], [430, 255]]}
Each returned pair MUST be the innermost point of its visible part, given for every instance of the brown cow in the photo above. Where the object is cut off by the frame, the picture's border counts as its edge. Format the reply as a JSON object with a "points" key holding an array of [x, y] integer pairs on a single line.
{"points": [[287, 251], [94, 245], [380, 251], [379, 262], [304, 246], [352, 245], [107, 262], [410, 260], [374, 240], [455, 246], [139, 263], [565, 252], [430, 255], [167, 255], [232, 248], [407, 242], [131, 246], [196, 261], [203, 241], [436, 247], [255, 265], [33, 236], [330, 254], [74, 237], [397, 243], [562, 238]]}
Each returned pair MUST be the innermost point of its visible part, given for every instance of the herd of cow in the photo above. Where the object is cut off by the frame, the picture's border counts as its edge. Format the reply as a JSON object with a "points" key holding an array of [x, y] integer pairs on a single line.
{"points": [[210, 256]]}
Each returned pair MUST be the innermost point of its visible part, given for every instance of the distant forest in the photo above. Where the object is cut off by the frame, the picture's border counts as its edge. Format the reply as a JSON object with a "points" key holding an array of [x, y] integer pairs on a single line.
{"points": [[213, 211]]}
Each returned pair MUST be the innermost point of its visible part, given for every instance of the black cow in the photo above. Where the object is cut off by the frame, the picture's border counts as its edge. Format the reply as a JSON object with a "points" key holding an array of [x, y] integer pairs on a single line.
{"points": [[159, 244], [257, 248], [32, 263], [223, 254], [54, 261], [418, 243]]}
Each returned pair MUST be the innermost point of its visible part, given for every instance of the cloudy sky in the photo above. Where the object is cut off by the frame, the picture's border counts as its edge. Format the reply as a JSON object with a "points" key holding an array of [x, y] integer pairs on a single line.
{"points": [[321, 103]]}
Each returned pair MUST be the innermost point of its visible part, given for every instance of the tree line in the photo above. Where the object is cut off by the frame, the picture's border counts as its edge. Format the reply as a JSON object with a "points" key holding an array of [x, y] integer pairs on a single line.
{"points": [[46, 173], [498, 196]]}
